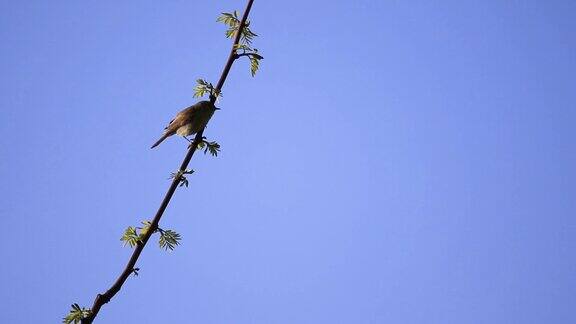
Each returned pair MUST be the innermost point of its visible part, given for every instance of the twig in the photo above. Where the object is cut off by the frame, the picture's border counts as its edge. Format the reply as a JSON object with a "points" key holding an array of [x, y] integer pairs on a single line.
{"points": [[104, 298]]}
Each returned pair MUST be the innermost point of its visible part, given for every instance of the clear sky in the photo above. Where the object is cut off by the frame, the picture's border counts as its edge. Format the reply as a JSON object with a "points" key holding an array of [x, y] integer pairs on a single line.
{"points": [[392, 162]]}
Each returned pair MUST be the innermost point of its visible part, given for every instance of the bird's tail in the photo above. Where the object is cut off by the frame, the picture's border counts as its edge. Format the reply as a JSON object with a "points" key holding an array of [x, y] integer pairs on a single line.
{"points": [[165, 136]]}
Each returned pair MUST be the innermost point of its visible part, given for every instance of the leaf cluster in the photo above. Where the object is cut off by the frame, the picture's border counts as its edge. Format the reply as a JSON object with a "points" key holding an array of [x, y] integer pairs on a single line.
{"points": [[212, 147], [135, 235], [180, 175], [168, 239], [232, 21], [130, 237], [203, 87], [246, 38], [76, 314]]}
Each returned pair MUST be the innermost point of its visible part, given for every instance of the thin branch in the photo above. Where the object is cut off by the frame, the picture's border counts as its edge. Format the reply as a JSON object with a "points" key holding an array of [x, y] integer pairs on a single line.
{"points": [[104, 298], [237, 56]]}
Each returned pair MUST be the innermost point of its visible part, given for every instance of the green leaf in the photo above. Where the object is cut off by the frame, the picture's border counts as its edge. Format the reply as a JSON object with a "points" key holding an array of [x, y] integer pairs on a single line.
{"points": [[203, 87], [168, 239], [229, 19], [254, 64], [247, 35], [230, 32], [130, 237], [232, 21], [76, 314], [212, 147]]}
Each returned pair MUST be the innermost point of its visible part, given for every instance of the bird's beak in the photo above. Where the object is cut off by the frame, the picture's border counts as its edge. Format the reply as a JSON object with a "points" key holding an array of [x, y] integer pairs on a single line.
{"points": [[216, 108]]}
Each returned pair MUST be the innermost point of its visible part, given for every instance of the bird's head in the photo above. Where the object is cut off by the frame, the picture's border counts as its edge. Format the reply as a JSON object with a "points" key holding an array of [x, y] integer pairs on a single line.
{"points": [[208, 104]]}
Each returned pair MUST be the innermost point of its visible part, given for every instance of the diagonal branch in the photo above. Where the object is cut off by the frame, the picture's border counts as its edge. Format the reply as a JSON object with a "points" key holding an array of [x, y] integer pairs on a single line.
{"points": [[249, 55], [104, 298]]}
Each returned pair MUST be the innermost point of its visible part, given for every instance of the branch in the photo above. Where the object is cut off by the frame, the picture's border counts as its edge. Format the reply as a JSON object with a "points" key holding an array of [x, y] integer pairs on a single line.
{"points": [[249, 54], [104, 298]]}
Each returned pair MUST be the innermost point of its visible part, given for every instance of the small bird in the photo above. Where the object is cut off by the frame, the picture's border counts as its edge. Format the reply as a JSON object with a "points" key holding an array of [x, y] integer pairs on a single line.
{"points": [[189, 121]]}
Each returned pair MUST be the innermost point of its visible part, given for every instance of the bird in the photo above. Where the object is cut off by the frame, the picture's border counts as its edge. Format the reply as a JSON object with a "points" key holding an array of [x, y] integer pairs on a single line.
{"points": [[189, 121]]}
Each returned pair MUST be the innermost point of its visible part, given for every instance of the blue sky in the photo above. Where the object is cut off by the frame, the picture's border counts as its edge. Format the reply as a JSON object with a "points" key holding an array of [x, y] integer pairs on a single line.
{"points": [[392, 162]]}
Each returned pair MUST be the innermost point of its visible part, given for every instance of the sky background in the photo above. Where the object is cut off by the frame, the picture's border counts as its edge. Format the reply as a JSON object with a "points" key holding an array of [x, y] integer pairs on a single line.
{"points": [[391, 162]]}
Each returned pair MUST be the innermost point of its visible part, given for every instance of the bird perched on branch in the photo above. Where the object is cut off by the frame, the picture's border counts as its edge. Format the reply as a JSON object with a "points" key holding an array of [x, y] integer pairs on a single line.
{"points": [[189, 121]]}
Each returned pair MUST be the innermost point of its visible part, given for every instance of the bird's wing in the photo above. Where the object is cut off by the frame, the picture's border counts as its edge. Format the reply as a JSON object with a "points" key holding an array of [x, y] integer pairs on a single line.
{"points": [[170, 122], [182, 118]]}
